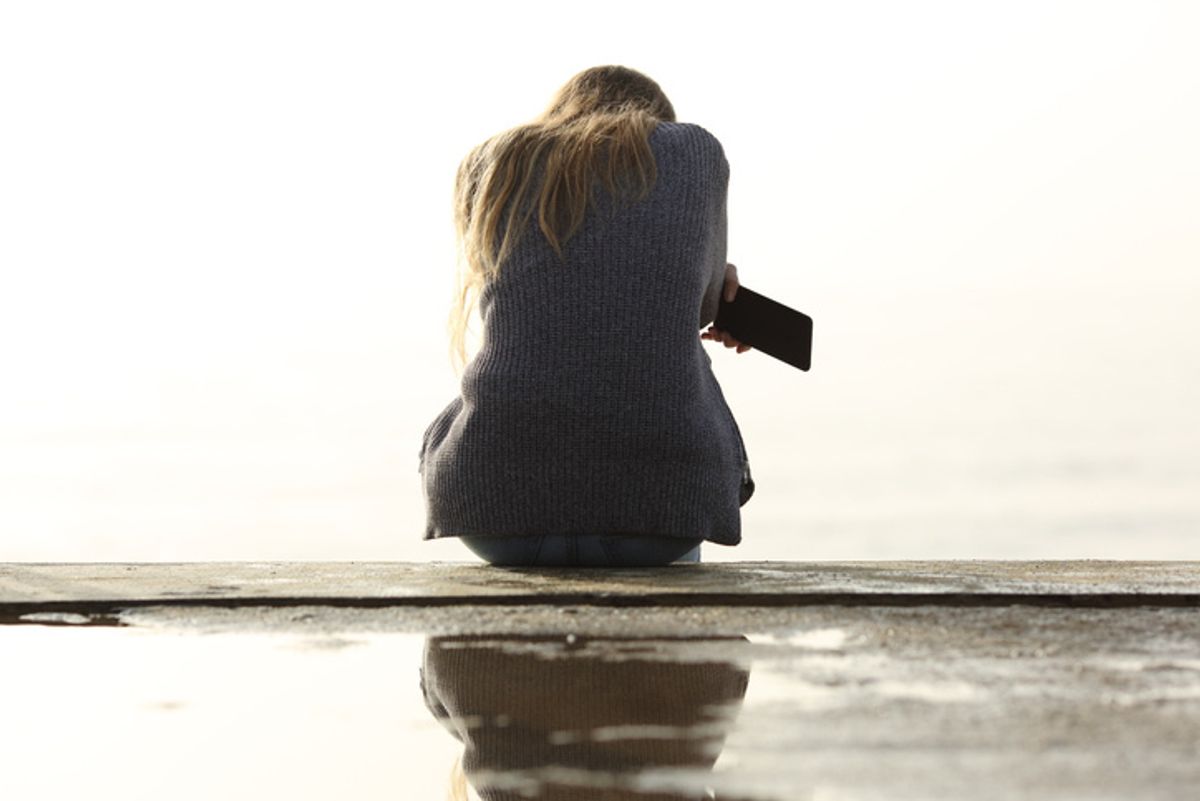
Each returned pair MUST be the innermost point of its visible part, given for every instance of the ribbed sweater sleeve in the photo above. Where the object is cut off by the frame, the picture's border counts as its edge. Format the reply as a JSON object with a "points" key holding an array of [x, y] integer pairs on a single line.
{"points": [[720, 234]]}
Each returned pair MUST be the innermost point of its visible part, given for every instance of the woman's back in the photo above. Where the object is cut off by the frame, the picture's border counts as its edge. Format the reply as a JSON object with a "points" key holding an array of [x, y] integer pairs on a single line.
{"points": [[591, 406]]}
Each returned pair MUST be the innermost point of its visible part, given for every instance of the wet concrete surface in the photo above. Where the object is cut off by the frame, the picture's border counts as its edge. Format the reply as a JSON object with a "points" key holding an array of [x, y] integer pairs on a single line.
{"points": [[589, 700]]}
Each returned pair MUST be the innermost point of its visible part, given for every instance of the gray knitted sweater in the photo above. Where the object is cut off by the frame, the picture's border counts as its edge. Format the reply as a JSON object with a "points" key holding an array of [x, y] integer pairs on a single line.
{"points": [[591, 406]]}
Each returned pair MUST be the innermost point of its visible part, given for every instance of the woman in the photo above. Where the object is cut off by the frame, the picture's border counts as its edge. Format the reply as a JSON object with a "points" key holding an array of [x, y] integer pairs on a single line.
{"points": [[590, 429]]}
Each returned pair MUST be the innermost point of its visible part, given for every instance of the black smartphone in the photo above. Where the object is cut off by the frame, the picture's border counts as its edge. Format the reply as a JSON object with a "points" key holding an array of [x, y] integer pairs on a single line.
{"points": [[769, 326]]}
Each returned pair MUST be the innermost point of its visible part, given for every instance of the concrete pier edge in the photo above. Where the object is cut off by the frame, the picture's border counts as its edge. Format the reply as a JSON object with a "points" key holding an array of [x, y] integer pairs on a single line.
{"points": [[101, 590]]}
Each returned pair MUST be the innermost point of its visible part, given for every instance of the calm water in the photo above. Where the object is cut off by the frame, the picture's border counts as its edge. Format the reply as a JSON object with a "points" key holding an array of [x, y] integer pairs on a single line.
{"points": [[223, 282], [811, 702], [991, 424]]}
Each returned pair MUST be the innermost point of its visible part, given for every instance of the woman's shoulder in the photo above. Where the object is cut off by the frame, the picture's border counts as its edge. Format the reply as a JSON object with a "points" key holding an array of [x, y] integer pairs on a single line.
{"points": [[692, 139], [686, 132]]}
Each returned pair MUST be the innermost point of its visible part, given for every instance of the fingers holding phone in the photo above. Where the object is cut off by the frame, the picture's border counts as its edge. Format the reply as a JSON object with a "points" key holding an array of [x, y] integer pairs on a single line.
{"points": [[728, 293]]}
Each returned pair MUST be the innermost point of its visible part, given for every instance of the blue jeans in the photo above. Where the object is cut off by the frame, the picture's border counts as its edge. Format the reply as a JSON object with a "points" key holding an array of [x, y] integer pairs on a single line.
{"points": [[585, 550]]}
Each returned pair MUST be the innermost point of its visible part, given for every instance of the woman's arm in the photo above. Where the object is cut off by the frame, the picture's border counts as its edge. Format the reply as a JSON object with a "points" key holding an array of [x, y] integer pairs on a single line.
{"points": [[723, 278], [715, 168]]}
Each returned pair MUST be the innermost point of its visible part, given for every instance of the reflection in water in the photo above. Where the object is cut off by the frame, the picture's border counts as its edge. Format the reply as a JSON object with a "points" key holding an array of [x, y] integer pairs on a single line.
{"points": [[581, 718]]}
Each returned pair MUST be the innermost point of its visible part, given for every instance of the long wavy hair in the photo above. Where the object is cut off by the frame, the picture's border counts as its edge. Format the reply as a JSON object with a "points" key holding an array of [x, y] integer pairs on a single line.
{"points": [[597, 128]]}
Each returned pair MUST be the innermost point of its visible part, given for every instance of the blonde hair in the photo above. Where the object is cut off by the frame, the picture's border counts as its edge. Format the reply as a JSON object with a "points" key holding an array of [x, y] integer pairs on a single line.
{"points": [[597, 126], [457, 789]]}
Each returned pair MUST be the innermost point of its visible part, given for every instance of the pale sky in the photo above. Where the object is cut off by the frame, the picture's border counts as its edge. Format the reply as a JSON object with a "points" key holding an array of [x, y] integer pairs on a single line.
{"points": [[225, 231]]}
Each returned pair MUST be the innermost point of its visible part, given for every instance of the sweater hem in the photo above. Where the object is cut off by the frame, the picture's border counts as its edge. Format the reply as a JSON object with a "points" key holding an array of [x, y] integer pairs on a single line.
{"points": [[442, 535]]}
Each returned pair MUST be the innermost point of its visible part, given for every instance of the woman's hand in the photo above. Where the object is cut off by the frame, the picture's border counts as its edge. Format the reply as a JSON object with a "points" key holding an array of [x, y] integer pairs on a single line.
{"points": [[728, 294]]}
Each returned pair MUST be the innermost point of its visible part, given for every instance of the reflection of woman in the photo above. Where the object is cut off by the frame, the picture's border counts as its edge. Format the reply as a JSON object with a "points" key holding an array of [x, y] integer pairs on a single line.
{"points": [[520, 705], [590, 428]]}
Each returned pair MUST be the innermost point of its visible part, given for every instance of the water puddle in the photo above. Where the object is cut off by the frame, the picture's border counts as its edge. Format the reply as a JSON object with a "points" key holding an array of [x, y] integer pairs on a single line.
{"points": [[605, 704]]}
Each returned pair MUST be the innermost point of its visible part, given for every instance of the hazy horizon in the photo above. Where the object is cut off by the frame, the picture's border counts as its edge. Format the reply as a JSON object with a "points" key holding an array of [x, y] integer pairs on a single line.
{"points": [[228, 255]]}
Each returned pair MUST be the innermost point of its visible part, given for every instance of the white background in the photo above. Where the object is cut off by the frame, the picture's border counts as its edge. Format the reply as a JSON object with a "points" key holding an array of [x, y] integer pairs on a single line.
{"points": [[226, 253]]}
